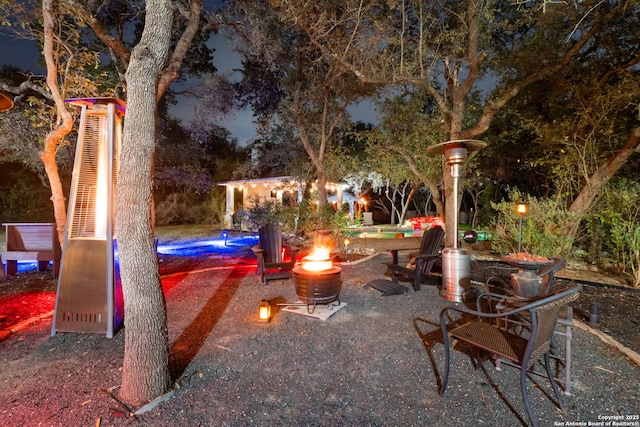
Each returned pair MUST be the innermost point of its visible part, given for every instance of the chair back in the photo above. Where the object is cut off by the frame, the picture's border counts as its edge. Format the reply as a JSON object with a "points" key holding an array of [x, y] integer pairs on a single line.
{"points": [[432, 240], [430, 244], [271, 243], [544, 315]]}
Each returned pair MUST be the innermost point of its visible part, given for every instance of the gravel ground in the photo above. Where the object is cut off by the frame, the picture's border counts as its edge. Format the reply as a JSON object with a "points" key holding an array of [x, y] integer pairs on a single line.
{"points": [[375, 362]]}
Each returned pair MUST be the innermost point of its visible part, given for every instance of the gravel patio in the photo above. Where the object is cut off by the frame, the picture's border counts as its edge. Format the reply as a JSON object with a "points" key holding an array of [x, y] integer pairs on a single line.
{"points": [[375, 362]]}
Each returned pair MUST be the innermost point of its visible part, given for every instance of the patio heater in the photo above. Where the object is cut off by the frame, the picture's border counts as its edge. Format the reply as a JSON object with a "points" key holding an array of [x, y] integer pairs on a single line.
{"points": [[456, 262], [89, 297]]}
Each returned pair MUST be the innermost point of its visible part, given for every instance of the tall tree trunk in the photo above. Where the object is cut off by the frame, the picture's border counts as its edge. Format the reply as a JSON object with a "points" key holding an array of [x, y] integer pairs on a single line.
{"points": [[601, 177], [63, 125], [322, 188], [146, 359]]}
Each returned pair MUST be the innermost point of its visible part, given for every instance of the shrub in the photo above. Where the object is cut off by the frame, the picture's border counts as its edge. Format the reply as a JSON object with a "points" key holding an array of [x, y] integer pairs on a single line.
{"points": [[262, 211], [543, 227], [294, 217], [185, 208], [619, 213]]}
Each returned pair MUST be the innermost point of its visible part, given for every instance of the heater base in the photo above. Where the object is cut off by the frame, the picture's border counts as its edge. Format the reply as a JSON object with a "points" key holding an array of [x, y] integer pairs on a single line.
{"points": [[456, 274]]}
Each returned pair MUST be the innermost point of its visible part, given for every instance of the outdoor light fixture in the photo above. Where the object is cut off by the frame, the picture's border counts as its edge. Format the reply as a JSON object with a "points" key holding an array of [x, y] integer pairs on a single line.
{"points": [[522, 209], [346, 249], [225, 235], [264, 314], [89, 297]]}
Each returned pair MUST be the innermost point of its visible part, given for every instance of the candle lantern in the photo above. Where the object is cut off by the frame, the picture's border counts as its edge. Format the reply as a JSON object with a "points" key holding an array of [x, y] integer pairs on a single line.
{"points": [[89, 297], [264, 314]]}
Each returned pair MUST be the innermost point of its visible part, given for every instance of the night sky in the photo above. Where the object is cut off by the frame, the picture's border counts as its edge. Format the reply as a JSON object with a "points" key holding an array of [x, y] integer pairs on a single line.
{"points": [[24, 54]]}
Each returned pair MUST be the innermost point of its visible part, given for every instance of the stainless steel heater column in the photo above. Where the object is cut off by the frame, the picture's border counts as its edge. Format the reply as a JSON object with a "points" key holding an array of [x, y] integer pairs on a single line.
{"points": [[456, 262], [89, 297]]}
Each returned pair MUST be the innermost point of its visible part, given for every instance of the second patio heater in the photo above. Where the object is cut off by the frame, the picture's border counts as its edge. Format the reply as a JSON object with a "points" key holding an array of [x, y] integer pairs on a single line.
{"points": [[456, 262], [89, 297]]}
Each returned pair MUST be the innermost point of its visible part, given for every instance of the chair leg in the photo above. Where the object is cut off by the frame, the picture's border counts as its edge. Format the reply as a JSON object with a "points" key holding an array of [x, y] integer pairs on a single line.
{"points": [[556, 391], [447, 361], [567, 351], [525, 395]]}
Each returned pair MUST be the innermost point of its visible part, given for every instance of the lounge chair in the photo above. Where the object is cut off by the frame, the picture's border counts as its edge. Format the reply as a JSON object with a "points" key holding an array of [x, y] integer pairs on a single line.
{"points": [[427, 255], [271, 254]]}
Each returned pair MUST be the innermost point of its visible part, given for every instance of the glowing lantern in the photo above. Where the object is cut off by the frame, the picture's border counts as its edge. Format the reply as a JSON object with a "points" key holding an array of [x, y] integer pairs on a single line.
{"points": [[264, 314], [522, 209]]}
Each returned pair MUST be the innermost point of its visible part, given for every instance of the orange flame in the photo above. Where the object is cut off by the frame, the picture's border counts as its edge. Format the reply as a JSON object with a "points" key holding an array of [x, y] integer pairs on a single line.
{"points": [[320, 257]]}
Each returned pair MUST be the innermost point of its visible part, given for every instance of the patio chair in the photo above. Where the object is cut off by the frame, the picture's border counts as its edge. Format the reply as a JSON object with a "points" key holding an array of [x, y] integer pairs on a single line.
{"points": [[486, 333], [426, 257], [496, 283], [271, 255]]}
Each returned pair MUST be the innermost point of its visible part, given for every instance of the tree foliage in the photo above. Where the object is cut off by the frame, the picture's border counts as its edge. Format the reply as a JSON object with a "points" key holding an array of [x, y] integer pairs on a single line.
{"points": [[295, 80], [619, 212], [472, 58]]}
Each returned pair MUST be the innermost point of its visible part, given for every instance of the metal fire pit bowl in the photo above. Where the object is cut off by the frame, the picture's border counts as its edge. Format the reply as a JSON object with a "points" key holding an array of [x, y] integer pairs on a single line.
{"points": [[317, 287]]}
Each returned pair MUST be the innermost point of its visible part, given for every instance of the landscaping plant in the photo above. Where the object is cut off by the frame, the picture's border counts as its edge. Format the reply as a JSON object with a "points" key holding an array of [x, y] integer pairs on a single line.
{"points": [[619, 212], [542, 226]]}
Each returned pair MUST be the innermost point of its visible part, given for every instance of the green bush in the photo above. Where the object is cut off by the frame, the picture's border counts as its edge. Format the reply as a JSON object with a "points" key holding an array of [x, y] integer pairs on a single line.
{"points": [[543, 227], [262, 211], [619, 213], [187, 208], [294, 217]]}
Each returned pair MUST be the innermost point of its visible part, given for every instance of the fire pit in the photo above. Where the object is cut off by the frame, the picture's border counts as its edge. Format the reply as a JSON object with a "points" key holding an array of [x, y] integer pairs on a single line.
{"points": [[316, 279], [526, 283]]}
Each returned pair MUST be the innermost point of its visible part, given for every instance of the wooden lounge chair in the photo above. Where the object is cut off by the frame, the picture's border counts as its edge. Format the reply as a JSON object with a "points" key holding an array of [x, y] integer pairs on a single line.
{"points": [[271, 255], [427, 255], [487, 333]]}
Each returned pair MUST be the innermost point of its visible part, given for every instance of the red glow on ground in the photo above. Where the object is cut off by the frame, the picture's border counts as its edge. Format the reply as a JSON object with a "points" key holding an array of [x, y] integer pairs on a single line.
{"points": [[20, 307]]}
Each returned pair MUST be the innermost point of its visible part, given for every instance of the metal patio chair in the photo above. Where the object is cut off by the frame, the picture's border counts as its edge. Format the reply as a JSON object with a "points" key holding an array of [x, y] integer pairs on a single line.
{"points": [[486, 332], [496, 282]]}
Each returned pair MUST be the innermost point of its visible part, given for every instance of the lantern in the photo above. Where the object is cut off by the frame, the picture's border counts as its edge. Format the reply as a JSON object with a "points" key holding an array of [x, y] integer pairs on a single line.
{"points": [[522, 209], [264, 314], [346, 249]]}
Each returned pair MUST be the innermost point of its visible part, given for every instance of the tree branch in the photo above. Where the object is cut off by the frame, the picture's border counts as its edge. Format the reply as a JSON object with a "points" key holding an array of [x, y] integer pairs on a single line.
{"points": [[172, 70]]}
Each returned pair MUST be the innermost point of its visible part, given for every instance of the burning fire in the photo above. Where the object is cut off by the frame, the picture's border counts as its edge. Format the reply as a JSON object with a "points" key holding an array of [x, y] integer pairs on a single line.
{"points": [[320, 257]]}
